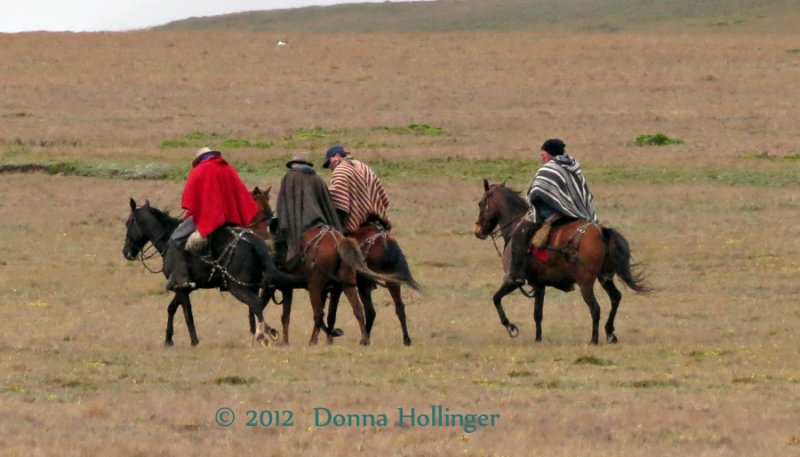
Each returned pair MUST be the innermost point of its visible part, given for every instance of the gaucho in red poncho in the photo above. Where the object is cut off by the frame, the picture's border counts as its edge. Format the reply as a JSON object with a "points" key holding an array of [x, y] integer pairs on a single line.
{"points": [[215, 195]]}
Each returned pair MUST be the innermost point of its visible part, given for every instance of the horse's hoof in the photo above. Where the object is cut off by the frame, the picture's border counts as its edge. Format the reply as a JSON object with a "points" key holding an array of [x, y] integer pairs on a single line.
{"points": [[168, 343], [612, 338], [364, 342], [273, 334], [538, 339], [513, 330], [407, 341], [337, 332], [195, 342]]}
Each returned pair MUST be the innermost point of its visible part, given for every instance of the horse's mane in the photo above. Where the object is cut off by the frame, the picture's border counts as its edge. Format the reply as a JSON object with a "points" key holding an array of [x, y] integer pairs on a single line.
{"points": [[164, 218], [515, 201]]}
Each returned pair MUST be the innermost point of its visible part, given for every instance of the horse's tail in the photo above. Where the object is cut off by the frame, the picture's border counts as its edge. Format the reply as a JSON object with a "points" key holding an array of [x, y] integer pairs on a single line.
{"points": [[618, 261], [351, 255], [395, 261]]}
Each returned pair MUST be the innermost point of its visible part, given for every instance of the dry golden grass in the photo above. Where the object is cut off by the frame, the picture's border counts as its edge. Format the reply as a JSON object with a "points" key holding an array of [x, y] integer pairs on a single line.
{"points": [[706, 366]]}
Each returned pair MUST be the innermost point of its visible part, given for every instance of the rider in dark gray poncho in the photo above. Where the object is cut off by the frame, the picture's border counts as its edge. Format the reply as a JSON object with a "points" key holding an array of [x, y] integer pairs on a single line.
{"points": [[558, 190], [303, 203]]}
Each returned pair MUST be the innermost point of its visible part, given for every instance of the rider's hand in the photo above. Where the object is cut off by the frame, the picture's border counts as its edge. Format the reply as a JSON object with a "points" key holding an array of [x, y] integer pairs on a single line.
{"points": [[195, 242]]}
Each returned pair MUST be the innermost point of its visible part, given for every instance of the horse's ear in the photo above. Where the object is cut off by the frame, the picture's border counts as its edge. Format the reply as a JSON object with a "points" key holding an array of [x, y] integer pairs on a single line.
{"points": [[256, 191], [146, 204], [133, 204], [504, 184], [485, 184]]}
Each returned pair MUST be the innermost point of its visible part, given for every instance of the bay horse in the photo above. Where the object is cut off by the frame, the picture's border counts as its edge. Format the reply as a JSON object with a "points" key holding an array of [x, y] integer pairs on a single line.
{"points": [[382, 254], [233, 265], [330, 260], [578, 252]]}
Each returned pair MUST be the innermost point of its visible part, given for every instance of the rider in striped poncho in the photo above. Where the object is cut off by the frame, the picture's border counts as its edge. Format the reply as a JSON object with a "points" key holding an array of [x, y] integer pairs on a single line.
{"points": [[558, 190], [356, 191]]}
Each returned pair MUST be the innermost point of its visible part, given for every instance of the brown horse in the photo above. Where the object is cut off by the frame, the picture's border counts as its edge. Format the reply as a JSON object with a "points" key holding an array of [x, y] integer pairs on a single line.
{"points": [[579, 252], [382, 254], [330, 260]]}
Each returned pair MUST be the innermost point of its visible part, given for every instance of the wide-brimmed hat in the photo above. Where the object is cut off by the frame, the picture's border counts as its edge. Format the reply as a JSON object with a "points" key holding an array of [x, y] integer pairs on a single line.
{"points": [[201, 154], [332, 151], [300, 157]]}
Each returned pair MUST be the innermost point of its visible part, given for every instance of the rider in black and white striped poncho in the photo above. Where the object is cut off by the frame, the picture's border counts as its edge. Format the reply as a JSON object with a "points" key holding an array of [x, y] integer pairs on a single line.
{"points": [[558, 190]]}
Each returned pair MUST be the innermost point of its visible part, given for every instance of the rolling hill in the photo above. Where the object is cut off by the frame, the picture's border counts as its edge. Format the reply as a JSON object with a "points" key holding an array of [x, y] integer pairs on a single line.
{"points": [[781, 16]]}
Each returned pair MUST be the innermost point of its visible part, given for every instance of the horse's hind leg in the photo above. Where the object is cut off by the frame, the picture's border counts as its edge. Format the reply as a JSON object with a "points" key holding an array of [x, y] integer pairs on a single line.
{"points": [[171, 309], [286, 314], [399, 309], [256, 307], [315, 295], [365, 287], [538, 310], [251, 319], [616, 296], [333, 307], [187, 314], [587, 291], [358, 312]]}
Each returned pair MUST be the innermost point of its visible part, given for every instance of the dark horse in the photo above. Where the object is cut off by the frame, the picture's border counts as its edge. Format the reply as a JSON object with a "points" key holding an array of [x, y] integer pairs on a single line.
{"points": [[382, 254], [579, 252], [330, 260], [232, 265]]}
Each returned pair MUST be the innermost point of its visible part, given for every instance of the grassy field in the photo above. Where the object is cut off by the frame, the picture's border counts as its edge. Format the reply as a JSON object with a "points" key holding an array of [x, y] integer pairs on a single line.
{"points": [[706, 365]]}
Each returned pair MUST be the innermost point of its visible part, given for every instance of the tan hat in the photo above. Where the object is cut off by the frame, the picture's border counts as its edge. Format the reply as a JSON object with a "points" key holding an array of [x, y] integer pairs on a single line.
{"points": [[300, 157], [202, 151]]}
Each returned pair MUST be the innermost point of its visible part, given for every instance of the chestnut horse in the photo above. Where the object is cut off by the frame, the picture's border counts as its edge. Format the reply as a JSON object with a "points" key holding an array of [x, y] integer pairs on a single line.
{"points": [[330, 260], [579, 252]]}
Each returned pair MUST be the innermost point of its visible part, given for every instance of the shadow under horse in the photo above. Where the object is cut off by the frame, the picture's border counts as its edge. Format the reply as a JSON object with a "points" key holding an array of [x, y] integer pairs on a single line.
{"points": [[382, 254], [578, 252], [330, 261], [233, 264]]}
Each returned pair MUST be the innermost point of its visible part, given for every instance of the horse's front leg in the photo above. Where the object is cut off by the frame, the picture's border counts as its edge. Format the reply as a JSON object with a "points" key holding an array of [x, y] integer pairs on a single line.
{"points": [[505, 289], [171, 309], [538, 310]]}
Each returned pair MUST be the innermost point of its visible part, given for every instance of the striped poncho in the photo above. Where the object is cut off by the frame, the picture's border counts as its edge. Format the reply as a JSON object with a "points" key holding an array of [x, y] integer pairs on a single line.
{"points": [[559, 185], [356, 190]]}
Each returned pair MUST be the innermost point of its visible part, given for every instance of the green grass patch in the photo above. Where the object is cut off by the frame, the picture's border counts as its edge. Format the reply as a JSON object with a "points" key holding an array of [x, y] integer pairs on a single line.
{"points": [[518, 173], [413, 129], [234, 380], [235, 143], [591, 360], [16, 115], [793, 51], [650, 383], [213, 140], [656, 139], [174, 144]]}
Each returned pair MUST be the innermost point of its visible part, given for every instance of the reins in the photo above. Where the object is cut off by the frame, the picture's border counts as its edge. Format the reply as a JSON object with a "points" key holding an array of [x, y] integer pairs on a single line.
{"points": [[146, 253]]}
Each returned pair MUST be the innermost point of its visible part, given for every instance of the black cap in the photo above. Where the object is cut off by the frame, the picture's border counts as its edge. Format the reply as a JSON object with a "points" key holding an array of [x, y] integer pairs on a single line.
{"points": [[554, 147]]}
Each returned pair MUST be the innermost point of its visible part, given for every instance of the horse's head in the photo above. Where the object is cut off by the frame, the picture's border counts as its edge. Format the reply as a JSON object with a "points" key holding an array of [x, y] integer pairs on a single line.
{"points": [[265, 214], [488, 210], [146, 224], [135, 235]]}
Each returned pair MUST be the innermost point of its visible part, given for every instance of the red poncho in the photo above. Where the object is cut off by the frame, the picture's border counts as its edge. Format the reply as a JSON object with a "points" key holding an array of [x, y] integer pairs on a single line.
{"points": [[215, 195]]}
